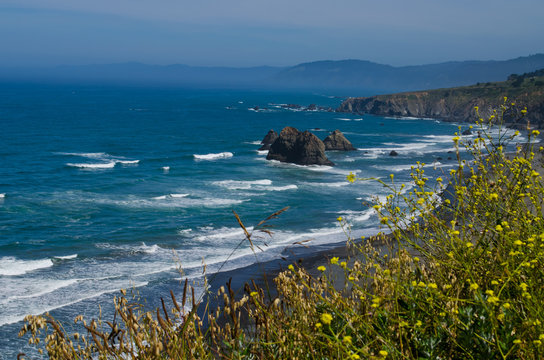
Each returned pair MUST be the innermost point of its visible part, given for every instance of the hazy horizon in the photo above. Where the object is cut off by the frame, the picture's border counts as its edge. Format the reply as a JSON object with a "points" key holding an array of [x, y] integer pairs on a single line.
{"points": [[243, 33]]}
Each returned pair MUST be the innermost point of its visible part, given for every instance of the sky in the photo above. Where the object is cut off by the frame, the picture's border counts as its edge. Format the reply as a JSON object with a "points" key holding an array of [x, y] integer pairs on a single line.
{"points": [[241, 33]]}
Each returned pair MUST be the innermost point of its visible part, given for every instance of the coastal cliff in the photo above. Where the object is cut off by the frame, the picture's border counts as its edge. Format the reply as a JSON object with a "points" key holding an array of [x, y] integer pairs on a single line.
{"points": [[457, 104]]}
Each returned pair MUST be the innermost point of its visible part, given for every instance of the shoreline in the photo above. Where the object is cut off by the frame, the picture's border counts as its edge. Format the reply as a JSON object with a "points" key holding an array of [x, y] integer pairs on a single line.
{"points": [[263, 274]]}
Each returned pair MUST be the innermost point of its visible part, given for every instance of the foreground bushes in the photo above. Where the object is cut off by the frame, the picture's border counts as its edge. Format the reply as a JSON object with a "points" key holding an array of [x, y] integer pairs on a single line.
{"points": [[459, 276]]}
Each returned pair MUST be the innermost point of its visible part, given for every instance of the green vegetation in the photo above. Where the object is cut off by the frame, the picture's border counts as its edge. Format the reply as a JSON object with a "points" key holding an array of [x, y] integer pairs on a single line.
{"points": [[460, 280], [457, 104]]}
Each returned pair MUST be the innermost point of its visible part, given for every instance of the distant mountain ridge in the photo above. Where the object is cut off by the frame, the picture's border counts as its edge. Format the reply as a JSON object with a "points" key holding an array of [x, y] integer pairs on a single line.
{"points": [[138, 73], [358, 74], [343, 77]]}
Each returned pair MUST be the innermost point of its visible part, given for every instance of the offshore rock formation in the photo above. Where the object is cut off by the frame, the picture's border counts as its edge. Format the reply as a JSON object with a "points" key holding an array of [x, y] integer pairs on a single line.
{"points": [[457, 104], [268, 140], [337, 141], [302, 148]]}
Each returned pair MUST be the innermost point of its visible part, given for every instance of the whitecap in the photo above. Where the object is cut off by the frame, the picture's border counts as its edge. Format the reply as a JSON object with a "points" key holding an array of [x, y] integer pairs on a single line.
{"points": [[241, 185], [97, 155], [128, 162], [223, 155], [166, 168], [66, 257], [348, 119], [438, 138], [282, 188], [172, 202], [394, 168], [108, 165], [10, 266], [170, 196], [262, 152], [358, 216], [41, 308], [2, 196], [142, 248], [39, 288], [331, 184]]}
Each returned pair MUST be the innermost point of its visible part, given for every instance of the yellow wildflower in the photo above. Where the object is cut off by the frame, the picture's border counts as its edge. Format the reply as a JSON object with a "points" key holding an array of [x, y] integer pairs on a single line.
{"points": [[383, 353], [334, 260], [326, 318], [346, 339], [321, 268]]}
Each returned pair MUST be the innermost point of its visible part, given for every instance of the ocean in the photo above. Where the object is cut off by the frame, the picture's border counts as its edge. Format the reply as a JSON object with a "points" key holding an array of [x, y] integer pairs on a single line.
{"points": [[104, 188]]}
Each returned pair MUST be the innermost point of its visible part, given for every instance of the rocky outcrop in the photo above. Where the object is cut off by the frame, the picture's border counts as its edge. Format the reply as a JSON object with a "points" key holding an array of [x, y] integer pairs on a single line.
{"points": [[302, 148], [337, 141], [458, 104], [268, 140]]}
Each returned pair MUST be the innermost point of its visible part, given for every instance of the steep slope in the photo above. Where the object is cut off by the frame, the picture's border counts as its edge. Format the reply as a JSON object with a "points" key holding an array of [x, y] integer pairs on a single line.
{"points": [[457, 104]]}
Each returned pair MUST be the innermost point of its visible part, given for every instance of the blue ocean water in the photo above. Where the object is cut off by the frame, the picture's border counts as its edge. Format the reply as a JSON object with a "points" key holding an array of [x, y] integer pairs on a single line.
{"points": [[106, 188]]}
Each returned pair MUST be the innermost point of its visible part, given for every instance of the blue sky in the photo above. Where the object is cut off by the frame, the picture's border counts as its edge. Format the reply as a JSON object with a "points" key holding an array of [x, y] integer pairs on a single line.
{"points": [[258, 32]]}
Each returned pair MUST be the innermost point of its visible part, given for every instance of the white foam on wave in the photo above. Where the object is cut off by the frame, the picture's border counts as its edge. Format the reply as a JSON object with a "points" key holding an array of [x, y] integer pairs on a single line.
{"points": [[170, 196], [66, 257], [256, 142], [348, 119], [331, 184], [223, 155], [438, 138], [166, 168], [141, 248], [259, 185], [306, 167], [282, 188], [394, 168], [223, 233], [2, 196], [31, 288], [128, 162], [15, 316], [107, 161], [173, 202], [97, 155], [10, 266], [241, 185], [358, 216], [262, 152], [108, 165]]}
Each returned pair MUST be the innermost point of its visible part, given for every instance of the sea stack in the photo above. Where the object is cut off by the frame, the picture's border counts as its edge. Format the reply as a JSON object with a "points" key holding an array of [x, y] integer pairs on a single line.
{"points": [[269, 140], [337, 141], [302, 148]]}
